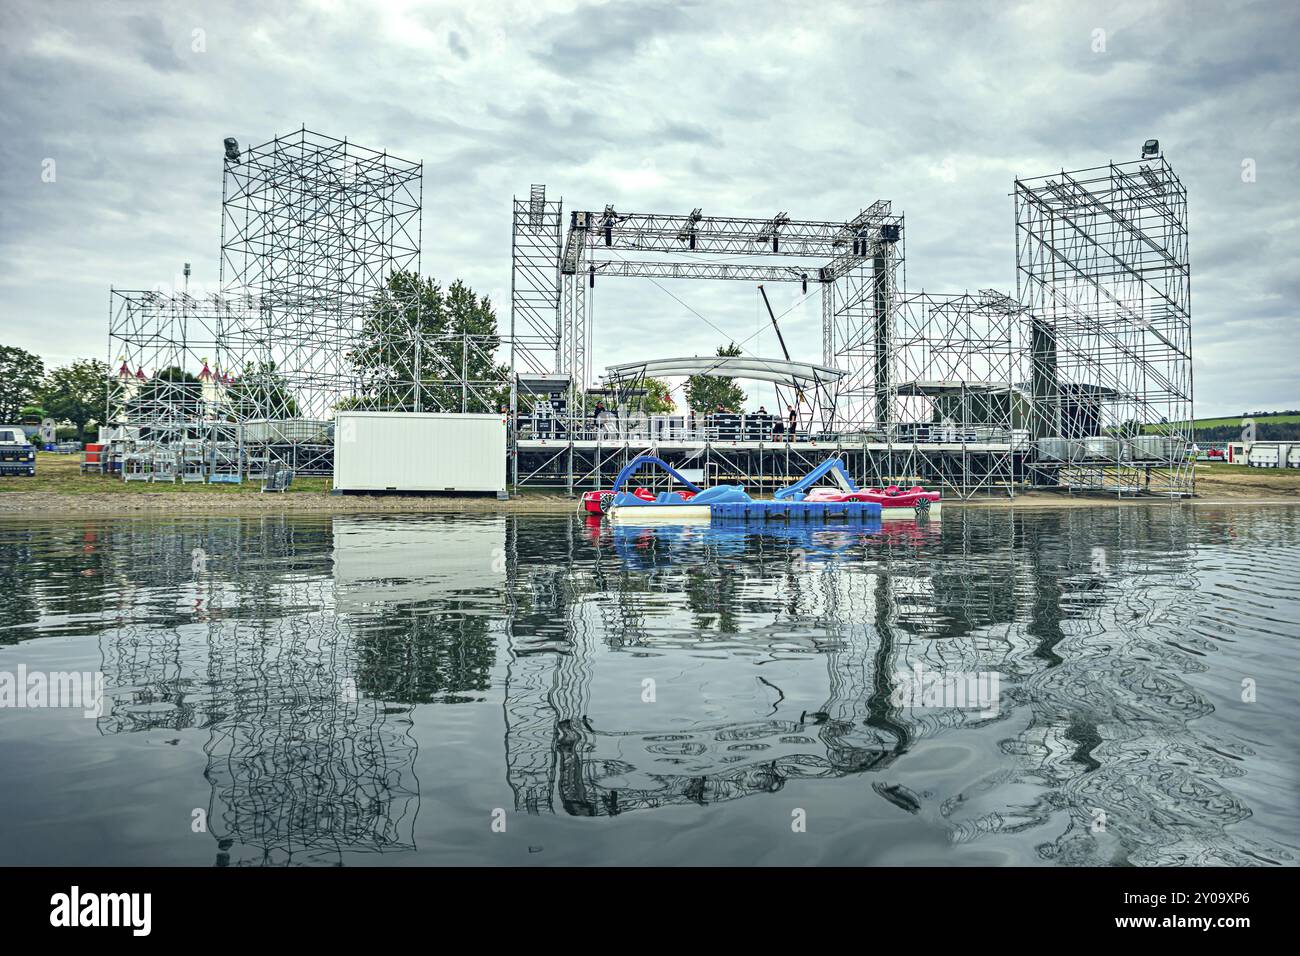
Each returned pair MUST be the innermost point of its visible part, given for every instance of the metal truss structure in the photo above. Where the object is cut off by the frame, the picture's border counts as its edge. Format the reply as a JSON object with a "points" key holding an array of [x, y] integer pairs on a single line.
{"points": [[1081, 382], [167, 357], [535, 332], [1102, 268], [173, 401], [926, 389], [955, 415], [556, 265], [312, 229]]}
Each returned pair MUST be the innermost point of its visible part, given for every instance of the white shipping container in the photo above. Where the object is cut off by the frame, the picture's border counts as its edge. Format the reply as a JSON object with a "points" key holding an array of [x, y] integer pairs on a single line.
{"points": [[419, 451]]}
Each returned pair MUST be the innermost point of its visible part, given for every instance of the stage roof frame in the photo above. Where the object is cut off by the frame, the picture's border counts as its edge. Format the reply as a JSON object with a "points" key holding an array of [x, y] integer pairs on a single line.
{"points": [[799, 375]]}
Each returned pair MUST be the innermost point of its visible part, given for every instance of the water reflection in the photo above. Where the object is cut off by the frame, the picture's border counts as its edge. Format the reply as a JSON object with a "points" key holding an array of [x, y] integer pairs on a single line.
{"points": [[638, 668], [232, 627]]}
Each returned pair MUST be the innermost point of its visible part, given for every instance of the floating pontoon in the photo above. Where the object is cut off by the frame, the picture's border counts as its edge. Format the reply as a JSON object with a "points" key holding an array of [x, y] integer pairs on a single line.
{"points": [[731, 503]]}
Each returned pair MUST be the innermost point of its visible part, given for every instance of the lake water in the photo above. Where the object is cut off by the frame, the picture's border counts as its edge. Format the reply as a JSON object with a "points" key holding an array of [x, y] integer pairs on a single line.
{"points": [[1098, 686]]}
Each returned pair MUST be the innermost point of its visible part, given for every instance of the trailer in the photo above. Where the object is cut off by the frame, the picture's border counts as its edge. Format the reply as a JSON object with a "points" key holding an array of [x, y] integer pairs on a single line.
{"points": [[1272, 454], [17, 454], [419, 452]]}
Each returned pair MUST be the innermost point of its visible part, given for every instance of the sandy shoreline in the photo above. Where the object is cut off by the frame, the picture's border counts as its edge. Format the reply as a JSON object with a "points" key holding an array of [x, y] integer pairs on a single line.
{"points": [[54, 504], [60, 490]]}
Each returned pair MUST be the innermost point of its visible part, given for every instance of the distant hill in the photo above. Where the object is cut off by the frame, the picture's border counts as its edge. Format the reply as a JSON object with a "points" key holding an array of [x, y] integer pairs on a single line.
{"points": [[1269, 426]]}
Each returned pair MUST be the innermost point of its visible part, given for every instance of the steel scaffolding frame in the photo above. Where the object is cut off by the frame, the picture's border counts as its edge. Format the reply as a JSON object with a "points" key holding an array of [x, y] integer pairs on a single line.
{"points": [[312, 229], [171, 397], [152, 332], [953, 381], [886, 341], [1102, 270], [535, 340], [555, 266], [1082, 382]]}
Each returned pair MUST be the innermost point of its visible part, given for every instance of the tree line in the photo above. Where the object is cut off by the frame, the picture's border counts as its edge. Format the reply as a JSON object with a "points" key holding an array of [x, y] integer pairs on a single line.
{"points": [[74, 393], [1264, 431]]}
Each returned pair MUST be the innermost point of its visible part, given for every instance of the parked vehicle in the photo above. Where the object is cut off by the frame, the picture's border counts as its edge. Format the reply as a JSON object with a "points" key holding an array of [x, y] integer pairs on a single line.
{"points": [[17, 454]]}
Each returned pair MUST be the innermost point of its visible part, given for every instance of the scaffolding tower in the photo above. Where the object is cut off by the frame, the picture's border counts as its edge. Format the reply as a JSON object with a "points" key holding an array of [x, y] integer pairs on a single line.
{"points": [[535, 335], [1102, 270], [310, 316], [312, 229], [172, 399], [167, 371]]}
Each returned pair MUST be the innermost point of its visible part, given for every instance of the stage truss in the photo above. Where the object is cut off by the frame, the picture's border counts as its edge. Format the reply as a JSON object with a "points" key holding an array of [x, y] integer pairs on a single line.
{"points": [[557, 262], [319, 309], [955, 414], [1102, 268]]}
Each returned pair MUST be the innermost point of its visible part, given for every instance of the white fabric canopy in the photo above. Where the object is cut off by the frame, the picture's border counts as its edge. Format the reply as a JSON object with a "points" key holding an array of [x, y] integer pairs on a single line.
{"points": [[793, 374]]}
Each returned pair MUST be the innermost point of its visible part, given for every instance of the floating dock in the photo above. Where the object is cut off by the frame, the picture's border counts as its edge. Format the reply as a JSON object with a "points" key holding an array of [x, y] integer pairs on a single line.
{"points": [[797, 511]]}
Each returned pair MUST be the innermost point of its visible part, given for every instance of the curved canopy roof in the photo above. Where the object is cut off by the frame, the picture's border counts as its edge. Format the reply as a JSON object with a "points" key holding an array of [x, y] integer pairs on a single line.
{"points": [[782, 372]]}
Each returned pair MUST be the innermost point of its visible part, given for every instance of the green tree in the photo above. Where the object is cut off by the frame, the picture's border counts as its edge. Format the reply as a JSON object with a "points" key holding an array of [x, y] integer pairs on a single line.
{"points": [[451, 336], [658, 396], [261, 392], [20, 381], [172, 393], [76, 393], [705, 393]]}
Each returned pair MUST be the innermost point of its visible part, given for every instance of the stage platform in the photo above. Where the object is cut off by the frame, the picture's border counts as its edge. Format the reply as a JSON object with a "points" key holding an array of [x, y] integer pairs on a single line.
{"points": [[643, 446], [957, 469]]}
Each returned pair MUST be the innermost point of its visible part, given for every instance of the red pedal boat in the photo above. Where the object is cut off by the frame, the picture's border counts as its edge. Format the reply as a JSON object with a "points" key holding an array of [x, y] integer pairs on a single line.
{"points": [[597, 502], [894, 501], [891, 497]]}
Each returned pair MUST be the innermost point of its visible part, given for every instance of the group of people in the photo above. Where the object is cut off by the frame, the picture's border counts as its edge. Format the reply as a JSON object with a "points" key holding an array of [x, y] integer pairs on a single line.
{"points": [[604, 420]]}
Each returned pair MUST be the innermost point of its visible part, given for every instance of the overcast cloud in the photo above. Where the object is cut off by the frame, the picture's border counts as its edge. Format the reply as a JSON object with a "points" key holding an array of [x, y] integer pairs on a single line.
{"points": [[753, 108]]}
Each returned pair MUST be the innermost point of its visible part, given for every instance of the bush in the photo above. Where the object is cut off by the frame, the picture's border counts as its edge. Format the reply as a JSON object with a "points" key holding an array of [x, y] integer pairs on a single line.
{"points": [[67, 433]]}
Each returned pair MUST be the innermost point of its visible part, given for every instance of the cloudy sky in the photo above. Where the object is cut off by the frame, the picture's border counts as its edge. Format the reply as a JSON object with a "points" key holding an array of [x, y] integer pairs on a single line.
{"points": [[744, 109]]}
